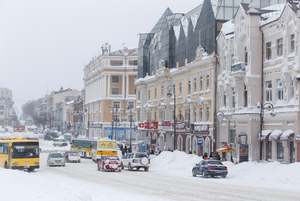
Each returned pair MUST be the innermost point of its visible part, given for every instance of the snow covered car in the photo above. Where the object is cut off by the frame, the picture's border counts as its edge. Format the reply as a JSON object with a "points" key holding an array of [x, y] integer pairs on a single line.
{"points": [[56, 159], [72, 156], [210, 168], [136, 160], [109, 163]]}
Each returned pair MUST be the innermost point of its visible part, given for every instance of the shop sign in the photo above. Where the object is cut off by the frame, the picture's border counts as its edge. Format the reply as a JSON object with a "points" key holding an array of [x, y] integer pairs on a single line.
{"points": [[199, 128], [166, 125], [179, 126], [148, 125]]}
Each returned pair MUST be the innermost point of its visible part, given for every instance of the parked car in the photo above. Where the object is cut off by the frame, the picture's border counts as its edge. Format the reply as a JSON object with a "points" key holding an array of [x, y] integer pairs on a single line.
{"points": [[210, 168], [50, 135], [72, 156], [61, 142], [109, 163], [136, 160], [56, 159]]}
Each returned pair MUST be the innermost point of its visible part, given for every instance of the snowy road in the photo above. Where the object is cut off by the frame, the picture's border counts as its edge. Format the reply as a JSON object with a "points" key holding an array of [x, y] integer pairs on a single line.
{"points": [[82, 182]]}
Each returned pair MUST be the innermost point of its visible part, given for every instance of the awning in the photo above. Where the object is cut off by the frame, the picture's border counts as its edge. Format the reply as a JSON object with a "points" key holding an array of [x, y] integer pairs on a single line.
{"points": [[275, 135], [287, 135], [265, 134]]}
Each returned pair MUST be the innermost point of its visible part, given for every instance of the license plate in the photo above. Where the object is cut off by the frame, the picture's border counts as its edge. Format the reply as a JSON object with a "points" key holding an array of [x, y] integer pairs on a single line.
{"points": [[218, 171]]}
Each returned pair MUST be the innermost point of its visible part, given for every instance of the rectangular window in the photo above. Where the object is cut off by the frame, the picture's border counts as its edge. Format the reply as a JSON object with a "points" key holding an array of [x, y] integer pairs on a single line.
{"points": [[207, 114], [279, 90], [131, 105], [180, 89], [149, 94], [189, 87], [280, 150], [115, 79], [292, 43], [115, 91], [279, 47], [139, 117], [133, 63], [162, 91], [195, 84], [232, 59], [268, 51], [116, 63], [195, 115], [201, 83], [246, 56], [224, 100], [1, 107], [139, 95], [233, 98], [3, 148], [245, 96], [292, 88], [207, 82], [269, 91], [224, 67], [200, 115], [269, 150], [155, 93], [116, 104]]}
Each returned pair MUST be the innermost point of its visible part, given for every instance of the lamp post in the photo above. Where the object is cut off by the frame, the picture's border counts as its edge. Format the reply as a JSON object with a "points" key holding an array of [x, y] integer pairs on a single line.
{"points": [[219, 115], [130, 118], [112, 119], [269, 107], [169, 94]]}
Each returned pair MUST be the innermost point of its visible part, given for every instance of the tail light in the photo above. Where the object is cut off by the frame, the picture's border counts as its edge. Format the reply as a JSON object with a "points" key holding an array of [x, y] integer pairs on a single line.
{"points": [[210, 168], [149, 161], [133, 160], [69, 155], [78, 155], [225, 168]]}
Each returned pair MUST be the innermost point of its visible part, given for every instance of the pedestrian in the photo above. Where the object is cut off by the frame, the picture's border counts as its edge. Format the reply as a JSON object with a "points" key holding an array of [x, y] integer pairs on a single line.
{"points": [[211, 155], [125, 150], [195, 153], [205, 156], [190, 152], [217, 156]]}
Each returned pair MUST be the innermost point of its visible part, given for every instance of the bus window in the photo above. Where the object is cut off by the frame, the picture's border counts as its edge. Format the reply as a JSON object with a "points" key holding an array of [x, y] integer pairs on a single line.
{"points": [[3, 148]]}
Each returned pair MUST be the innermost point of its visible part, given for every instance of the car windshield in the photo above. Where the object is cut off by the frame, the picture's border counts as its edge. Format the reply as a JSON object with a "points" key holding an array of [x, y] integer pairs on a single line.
{"points": [[56, 156], [214, 163], [140, 155]]}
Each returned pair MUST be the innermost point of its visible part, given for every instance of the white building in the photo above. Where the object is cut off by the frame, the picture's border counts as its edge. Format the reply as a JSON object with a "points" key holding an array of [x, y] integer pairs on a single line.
{"points": [[258, 66]]}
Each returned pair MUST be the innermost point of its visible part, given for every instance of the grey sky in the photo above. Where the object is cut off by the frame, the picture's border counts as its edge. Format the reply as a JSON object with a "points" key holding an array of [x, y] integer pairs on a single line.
{"points": [[47, 42]]}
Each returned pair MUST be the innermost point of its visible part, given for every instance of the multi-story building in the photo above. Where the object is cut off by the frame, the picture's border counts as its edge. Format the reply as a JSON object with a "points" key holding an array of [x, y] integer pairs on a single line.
{"points": [[110, 94], [7, 113], [173, 57], [258, 69]]}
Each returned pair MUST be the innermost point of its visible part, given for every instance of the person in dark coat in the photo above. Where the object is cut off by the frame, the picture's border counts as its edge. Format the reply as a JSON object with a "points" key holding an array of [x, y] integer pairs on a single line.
{"points": [[217, 157], [205, 156]]}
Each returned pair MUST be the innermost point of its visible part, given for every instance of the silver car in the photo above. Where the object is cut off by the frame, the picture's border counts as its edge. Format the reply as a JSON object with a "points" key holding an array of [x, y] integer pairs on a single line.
{"points": [[56, 159]]}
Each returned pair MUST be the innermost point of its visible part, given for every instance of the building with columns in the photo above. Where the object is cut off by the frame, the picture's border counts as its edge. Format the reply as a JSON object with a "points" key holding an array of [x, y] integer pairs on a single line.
{"points": [[109, 92], [258, 74]]}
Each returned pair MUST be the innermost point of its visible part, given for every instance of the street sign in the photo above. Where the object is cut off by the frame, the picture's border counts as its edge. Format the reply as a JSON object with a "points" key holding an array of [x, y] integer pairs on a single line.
{"points": [[110, 137], [200, 140]]}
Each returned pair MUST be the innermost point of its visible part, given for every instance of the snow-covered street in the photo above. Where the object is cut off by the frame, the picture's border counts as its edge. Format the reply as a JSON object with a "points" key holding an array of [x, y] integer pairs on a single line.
{"points": [[169, 178]]}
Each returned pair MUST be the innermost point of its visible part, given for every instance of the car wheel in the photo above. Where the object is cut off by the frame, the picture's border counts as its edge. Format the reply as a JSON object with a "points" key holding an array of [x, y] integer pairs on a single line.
{"points": [[194, 173], [203, 174], [223, 176], [122, 166], [119, 170], [129, 167], [146, 169], [78, 161]]}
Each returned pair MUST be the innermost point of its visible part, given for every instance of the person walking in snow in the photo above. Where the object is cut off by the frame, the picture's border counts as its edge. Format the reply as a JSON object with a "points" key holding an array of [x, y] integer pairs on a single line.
{"points": [[205, 156]]}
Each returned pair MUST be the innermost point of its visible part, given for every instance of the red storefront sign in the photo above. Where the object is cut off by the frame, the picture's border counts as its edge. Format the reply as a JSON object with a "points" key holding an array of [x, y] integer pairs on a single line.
{"points": [[148, 125], [179, 126], [165, 123]]}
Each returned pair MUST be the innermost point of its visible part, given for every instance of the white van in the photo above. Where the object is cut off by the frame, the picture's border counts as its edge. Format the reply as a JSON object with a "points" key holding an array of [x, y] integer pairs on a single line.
{"points": [[60, 142]]}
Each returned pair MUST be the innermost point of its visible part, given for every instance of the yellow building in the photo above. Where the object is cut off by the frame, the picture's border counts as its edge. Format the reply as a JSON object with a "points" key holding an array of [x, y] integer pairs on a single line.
{"points": [[109, 91], [194, 86]]}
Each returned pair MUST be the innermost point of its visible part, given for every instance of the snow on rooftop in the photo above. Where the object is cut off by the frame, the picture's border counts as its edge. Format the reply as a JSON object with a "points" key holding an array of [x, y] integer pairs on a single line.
{"points": [[227, 27], [272, 16]]}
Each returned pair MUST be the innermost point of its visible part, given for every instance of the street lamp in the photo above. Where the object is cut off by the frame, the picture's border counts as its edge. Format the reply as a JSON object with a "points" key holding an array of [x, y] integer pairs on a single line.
{"points": [[130, 118], [269, 107], [169, 94]]}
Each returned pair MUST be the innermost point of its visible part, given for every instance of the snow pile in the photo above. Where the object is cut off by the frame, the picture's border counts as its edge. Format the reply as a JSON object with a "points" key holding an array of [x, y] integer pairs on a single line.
{"points": [[268, 174]]}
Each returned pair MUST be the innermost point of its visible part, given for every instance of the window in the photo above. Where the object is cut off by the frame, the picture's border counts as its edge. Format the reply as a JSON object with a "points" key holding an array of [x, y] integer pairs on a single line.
{"points": [[269, 150], [155, 93], [116, 63], [279, 46], [155, 114], [200, 115], [133, 63], [280, 150], [292, 43], [3, 148], [1, 107], [201, 83], [292, 88], [162, 91], [246, 56], [149, 94], [195, 84], [207, 114], [195, 115], [269, 91], [139, 95], [232, 136], [1, 113], [224, 67], [180, 89], [115, 91], [233, 98], [232, 59], [224, 99], [245, 96], [207, 82], [268, 50], [161, 115], [279, 90], [189, 87], [131, 105], [116, 104], [115, 79]]}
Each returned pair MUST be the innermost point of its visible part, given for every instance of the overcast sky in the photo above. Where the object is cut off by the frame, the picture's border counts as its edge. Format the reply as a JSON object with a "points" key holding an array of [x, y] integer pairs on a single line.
{"points": [[44, 44]]}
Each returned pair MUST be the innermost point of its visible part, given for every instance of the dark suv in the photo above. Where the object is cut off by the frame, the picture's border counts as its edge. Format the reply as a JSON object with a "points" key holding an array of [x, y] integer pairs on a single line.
{"points": [[50, 135]]}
